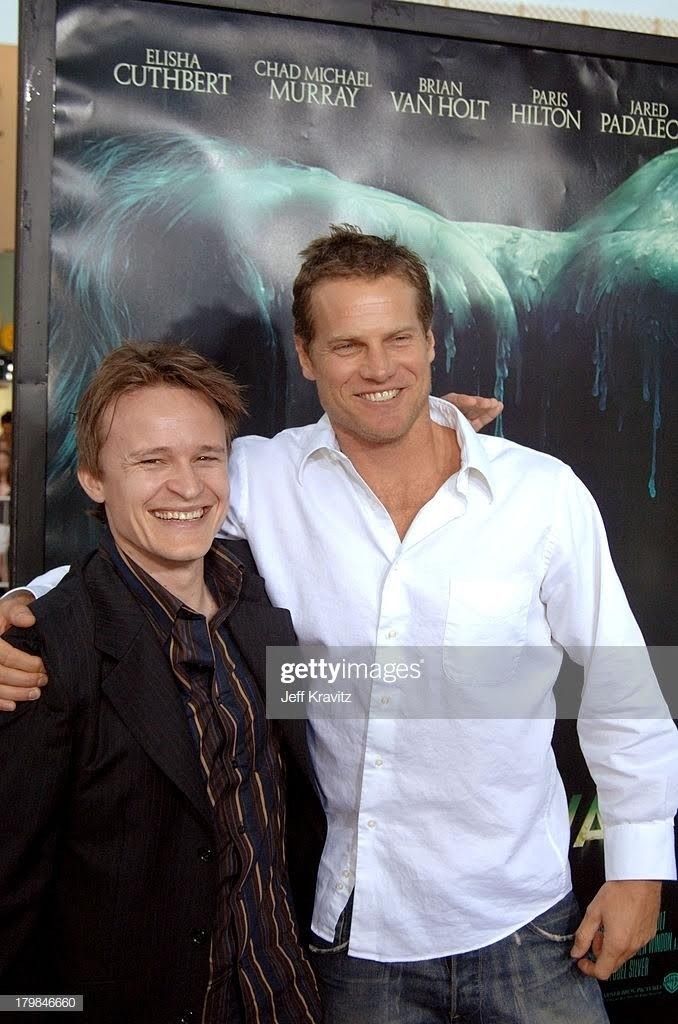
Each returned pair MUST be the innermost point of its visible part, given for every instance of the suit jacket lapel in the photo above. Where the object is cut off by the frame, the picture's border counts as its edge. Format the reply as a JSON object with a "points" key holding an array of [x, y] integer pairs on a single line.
{"points": [[142, 688], [141, 685], [255, 625]]}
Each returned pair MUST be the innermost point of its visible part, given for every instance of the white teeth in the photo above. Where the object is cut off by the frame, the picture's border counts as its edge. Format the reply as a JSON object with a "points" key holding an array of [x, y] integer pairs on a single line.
{"points": [[198, 514], [380, 396]]}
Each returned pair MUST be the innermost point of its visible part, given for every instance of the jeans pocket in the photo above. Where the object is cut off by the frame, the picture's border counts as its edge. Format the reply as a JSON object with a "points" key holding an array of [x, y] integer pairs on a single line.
{"points": [[558, 923], [322, 947], [342, 932]]}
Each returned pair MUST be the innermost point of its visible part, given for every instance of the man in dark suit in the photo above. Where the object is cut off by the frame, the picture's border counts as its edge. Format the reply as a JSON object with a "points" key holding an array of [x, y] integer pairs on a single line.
{"points": [[141, 802]]}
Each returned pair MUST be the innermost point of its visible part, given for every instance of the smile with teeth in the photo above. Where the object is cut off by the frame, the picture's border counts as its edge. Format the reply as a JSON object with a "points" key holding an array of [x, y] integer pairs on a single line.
{"points": [[381, 396], [196, 513]]}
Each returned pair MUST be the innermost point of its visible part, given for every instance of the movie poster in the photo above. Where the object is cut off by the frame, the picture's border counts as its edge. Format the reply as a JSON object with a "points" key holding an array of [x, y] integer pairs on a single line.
{"points": [[197, 150]]}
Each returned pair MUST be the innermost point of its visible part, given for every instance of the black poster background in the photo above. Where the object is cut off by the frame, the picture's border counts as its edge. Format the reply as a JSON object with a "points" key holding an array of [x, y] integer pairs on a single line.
{"points": [[179, 214]]}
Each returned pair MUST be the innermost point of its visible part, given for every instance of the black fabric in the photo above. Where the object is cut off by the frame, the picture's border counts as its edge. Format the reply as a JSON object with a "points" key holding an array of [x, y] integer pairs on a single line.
{"points": [[117, 917]]}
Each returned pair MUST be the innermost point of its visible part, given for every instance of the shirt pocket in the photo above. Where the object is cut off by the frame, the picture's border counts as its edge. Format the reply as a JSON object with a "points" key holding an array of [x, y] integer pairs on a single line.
{"points": [[485, 631]]}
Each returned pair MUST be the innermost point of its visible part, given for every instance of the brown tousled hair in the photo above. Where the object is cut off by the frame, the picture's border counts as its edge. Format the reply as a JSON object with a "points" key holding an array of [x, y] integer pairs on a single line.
{"points": [[347, 252], [134, 366]]}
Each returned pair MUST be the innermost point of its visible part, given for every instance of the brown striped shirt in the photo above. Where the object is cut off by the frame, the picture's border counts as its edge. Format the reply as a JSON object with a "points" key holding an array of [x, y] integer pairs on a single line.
{"points": [[255, 957]]}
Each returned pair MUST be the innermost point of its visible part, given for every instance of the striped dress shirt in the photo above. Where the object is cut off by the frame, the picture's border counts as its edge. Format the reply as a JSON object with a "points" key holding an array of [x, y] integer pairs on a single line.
{"points": [[256, 963]]}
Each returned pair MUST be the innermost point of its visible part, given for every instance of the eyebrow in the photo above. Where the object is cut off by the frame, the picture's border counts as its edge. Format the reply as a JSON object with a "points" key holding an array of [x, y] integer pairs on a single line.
{"points": [[405, 329], [204, 449]]}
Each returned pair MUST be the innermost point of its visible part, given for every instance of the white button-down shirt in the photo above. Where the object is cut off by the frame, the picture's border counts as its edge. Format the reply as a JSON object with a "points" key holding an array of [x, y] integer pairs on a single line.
{"points": [[454, 832]]}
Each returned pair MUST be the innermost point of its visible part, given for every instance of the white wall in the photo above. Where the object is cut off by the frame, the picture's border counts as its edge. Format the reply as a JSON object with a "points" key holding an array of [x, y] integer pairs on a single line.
{"points": [[643, 8], [646, 9], [9, 21], [657, 17]]}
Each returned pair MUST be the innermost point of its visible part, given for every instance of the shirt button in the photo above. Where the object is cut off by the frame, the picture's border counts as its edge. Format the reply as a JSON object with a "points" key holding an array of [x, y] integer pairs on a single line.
{"points": [[346, 874], [392, 634], [199, 936], [339, 886], [186, 1017], [385, 700], [206, 854], [371, 823], [242, 829], [378, 762]]}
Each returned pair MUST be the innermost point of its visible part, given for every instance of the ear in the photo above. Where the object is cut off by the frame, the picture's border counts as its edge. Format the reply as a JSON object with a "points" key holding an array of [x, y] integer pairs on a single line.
{"points": [[430, 345], [305, 361], [91, 485]]}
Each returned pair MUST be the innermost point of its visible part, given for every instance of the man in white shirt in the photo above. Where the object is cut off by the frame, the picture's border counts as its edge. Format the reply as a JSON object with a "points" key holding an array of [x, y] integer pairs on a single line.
{"points": [[444, 885]]}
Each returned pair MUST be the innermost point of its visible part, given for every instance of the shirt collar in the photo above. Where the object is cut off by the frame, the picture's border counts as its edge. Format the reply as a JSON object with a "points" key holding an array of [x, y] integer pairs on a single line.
{"points": [[223, 574], [321, 441]]}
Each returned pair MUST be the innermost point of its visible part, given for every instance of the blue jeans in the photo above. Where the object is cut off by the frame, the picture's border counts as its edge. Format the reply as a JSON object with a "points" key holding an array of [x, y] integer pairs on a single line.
{"points": [[526, 978]]}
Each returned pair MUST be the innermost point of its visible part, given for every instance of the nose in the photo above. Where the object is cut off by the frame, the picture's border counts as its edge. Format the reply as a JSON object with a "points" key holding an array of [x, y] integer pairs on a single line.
{"points": [[185, 481], [377, 364]]}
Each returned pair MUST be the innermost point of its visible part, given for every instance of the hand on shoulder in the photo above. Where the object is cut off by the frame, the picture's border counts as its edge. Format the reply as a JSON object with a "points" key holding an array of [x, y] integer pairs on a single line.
{"points": [[21, 674]]}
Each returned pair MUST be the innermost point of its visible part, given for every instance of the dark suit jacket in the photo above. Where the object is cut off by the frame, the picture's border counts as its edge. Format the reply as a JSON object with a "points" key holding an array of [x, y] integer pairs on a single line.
{"points": [[107, 871]]}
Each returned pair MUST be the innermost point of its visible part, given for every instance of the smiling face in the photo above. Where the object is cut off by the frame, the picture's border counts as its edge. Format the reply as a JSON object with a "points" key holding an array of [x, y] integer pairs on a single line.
{"points": [[370, 357], [162, 476]]}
